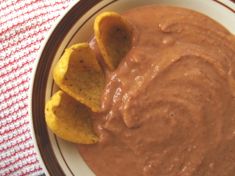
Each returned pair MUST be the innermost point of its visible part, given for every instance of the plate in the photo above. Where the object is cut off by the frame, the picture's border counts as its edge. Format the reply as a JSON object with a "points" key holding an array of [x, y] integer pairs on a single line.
{"points": [[59, 157]]}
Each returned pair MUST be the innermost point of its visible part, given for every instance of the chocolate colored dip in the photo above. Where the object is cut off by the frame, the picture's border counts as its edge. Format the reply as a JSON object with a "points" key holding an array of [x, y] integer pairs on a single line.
{"points": [[169, 108]]}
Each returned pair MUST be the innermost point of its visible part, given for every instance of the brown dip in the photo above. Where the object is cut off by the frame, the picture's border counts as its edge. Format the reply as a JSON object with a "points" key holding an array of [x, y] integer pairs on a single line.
{"points": [[169, 108]]}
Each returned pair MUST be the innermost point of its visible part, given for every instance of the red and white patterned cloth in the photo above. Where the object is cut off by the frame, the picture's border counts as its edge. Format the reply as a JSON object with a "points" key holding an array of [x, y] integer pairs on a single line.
{"points": [[23, 26]]}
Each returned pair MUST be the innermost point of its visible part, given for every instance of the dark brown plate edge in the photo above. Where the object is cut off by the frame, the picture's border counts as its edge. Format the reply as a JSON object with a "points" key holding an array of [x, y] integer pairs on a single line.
{"points": [[39, 87]]}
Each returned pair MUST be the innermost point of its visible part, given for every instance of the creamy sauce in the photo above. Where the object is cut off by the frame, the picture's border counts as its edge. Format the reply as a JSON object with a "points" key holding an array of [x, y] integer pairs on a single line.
{"points": [[169, 108]]}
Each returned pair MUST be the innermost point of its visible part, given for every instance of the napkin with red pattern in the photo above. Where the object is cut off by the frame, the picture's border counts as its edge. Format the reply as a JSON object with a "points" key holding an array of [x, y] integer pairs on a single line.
{"points": [[23, 26]]}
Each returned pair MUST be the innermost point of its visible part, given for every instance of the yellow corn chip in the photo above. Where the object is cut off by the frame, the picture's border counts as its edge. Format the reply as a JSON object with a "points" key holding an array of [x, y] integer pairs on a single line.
{"points": [[69, 119], [79, 74], [114, 37]]}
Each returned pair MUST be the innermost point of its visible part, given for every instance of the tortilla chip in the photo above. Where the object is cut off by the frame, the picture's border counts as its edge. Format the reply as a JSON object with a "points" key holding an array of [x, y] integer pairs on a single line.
{"points": [[114, 37], [79, 74], [69, 119]]}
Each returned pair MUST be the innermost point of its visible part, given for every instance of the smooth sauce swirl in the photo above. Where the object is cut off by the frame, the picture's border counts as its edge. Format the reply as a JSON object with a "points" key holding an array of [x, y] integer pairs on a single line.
{"points": [[169, 108]]}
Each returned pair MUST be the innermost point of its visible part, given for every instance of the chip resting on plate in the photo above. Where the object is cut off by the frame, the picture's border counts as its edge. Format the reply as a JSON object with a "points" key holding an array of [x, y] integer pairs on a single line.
{"points": [[79, 74], [69, 119]]}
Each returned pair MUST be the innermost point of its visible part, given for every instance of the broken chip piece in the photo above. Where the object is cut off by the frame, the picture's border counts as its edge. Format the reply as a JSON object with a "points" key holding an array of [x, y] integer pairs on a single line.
{"points": [[69, 119], [114, 37], [79, 74]]}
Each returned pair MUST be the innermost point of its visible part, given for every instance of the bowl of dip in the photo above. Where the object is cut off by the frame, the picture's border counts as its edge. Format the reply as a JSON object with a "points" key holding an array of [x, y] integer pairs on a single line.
{"points": [[168, 108]]}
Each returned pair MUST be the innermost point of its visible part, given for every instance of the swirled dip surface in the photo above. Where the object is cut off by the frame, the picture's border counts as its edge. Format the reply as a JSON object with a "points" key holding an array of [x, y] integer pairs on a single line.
{"points": [[169, 108]]}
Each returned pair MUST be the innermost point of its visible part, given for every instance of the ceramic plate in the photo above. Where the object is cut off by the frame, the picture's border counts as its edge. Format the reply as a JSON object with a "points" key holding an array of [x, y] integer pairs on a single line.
{"points": [[57, 156]]}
